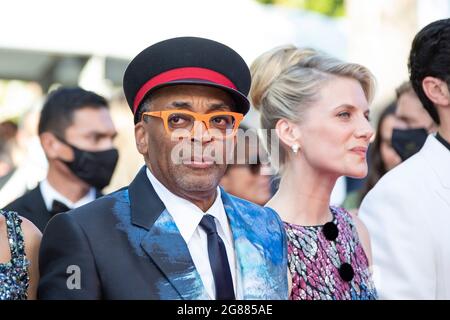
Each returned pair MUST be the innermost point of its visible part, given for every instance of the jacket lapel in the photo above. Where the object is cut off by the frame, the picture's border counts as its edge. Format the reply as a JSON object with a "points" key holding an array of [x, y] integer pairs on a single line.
{"points": [[163, 242], [252, 266], [38, 212], [169, 251], [35, 201], [438, 158]]}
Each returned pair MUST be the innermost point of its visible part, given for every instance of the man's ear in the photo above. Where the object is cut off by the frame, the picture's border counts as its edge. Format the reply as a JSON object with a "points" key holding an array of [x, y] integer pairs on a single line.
{"points": [[53, 148], [436, 90], [141, 138], [288, 133]]}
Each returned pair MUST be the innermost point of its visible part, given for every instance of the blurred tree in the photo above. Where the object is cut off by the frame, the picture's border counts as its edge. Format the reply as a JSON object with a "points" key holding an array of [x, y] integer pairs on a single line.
{"points": [[332, 8]]}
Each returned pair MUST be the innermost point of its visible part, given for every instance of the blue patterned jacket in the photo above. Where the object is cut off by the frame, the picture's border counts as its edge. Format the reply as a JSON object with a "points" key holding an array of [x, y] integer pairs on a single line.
{"points": [[126, 245]]}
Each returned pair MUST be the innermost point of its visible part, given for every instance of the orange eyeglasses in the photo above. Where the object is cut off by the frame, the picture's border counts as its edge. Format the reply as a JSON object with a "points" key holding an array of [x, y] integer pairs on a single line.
{"points": [[221, 124]]}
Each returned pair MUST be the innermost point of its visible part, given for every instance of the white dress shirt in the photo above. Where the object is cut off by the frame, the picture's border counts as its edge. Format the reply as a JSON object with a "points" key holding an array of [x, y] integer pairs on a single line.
{"points": [[187, 217], [49, 194]]}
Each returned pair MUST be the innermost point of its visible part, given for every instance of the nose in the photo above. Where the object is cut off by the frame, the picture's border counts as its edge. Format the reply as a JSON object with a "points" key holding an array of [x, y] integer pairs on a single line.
{"points": [[365, 130], [200, 132]]}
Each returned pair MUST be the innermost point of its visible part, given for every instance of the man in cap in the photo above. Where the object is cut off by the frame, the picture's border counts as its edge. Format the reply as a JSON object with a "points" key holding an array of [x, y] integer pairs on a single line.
{"points": [[173, 233]]}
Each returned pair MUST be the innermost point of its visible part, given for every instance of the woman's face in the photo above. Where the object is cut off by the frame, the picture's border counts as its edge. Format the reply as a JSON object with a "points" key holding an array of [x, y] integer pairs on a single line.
{"points": [[389, 157], [335, 133]]}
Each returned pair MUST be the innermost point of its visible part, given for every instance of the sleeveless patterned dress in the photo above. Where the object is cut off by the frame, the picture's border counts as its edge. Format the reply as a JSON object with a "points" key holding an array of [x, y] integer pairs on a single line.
{"points": [[14, 278], [328, 262]]}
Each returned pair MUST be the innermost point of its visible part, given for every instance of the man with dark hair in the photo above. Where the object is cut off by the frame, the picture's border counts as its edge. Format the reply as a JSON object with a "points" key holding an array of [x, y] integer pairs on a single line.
{"points": [[408, 211], [76, 133], [173, 233]]}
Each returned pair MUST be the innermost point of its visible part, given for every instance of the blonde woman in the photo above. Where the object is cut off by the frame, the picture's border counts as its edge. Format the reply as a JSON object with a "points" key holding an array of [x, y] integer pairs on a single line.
{"points": [[318, 108]]}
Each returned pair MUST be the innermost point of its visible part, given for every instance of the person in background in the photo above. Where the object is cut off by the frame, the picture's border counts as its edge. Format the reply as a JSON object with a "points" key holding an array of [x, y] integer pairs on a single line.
{"points": [[76, 133], [418, 123], [248, 177], [19, 250], [407, 212], [8, 130], [318, 107], [8, 140], [6, 164], [30, 163]]}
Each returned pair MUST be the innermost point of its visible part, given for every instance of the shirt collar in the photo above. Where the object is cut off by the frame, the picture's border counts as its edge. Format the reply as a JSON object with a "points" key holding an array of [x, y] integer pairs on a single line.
{"points": [[438, 158], [187, 215], [443, 141], [49, 194]]}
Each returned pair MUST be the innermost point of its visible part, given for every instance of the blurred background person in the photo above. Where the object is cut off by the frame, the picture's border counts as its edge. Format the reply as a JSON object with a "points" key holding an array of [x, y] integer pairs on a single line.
{"points": [[8, 130], [6, 164], [77, 133], [8, 139], [419, 124], [318, 107], [248, 177], [382, 156], [19, 251], [29, 165]]}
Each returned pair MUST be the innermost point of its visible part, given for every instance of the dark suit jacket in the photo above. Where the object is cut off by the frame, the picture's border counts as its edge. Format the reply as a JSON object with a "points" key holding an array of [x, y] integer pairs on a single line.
{"points": [[126, 246], [32, 206]]}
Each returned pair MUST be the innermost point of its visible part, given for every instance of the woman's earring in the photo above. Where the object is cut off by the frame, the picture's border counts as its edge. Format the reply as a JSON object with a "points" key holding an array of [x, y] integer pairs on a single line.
{"points": [[295, 148]]}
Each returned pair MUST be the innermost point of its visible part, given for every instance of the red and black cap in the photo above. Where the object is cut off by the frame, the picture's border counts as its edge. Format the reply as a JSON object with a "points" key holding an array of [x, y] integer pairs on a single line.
{"points": [[187, 60]]}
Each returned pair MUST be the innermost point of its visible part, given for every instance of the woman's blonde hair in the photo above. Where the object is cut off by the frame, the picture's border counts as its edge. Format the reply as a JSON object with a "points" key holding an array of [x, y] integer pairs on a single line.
{"points": [[287, 79]]}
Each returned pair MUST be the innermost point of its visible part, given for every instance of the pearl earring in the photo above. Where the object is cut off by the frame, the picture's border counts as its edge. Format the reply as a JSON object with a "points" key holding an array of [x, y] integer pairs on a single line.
{"points": [[295, 148]]}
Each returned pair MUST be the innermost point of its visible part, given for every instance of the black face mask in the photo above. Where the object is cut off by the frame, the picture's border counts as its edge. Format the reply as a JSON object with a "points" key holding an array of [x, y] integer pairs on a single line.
{"points": [[93, 167], [408, 142]]}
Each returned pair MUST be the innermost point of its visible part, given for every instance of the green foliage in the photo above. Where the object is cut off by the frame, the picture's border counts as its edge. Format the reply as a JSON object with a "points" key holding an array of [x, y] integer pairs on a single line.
{"points": [[332, 8]]}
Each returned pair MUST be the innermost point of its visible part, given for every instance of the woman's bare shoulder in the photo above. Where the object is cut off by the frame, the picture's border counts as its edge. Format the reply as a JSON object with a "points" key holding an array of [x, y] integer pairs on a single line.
{"points": [[31, 233]]}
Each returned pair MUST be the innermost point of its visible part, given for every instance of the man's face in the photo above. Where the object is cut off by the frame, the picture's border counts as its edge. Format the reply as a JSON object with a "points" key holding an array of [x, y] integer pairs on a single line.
{"points": [[411, 111], [191, 173], [92, 129]]}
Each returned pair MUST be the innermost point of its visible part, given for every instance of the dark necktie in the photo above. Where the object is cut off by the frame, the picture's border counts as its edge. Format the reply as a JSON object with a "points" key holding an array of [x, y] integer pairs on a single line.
{"points": [[218, 260], [58, 207]]}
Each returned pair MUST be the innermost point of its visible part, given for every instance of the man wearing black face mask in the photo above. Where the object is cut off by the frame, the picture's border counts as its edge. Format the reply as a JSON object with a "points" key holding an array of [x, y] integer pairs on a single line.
{"points": [[408, 212], [76, 132], [408, 141]]}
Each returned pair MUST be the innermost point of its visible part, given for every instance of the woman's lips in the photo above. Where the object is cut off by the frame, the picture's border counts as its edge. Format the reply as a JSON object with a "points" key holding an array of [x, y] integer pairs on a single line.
{"points": [[361, 151]]}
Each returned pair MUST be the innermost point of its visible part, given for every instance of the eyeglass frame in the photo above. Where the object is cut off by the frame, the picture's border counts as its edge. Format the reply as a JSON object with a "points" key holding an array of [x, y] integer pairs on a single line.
{"points": [[202, 117]]}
